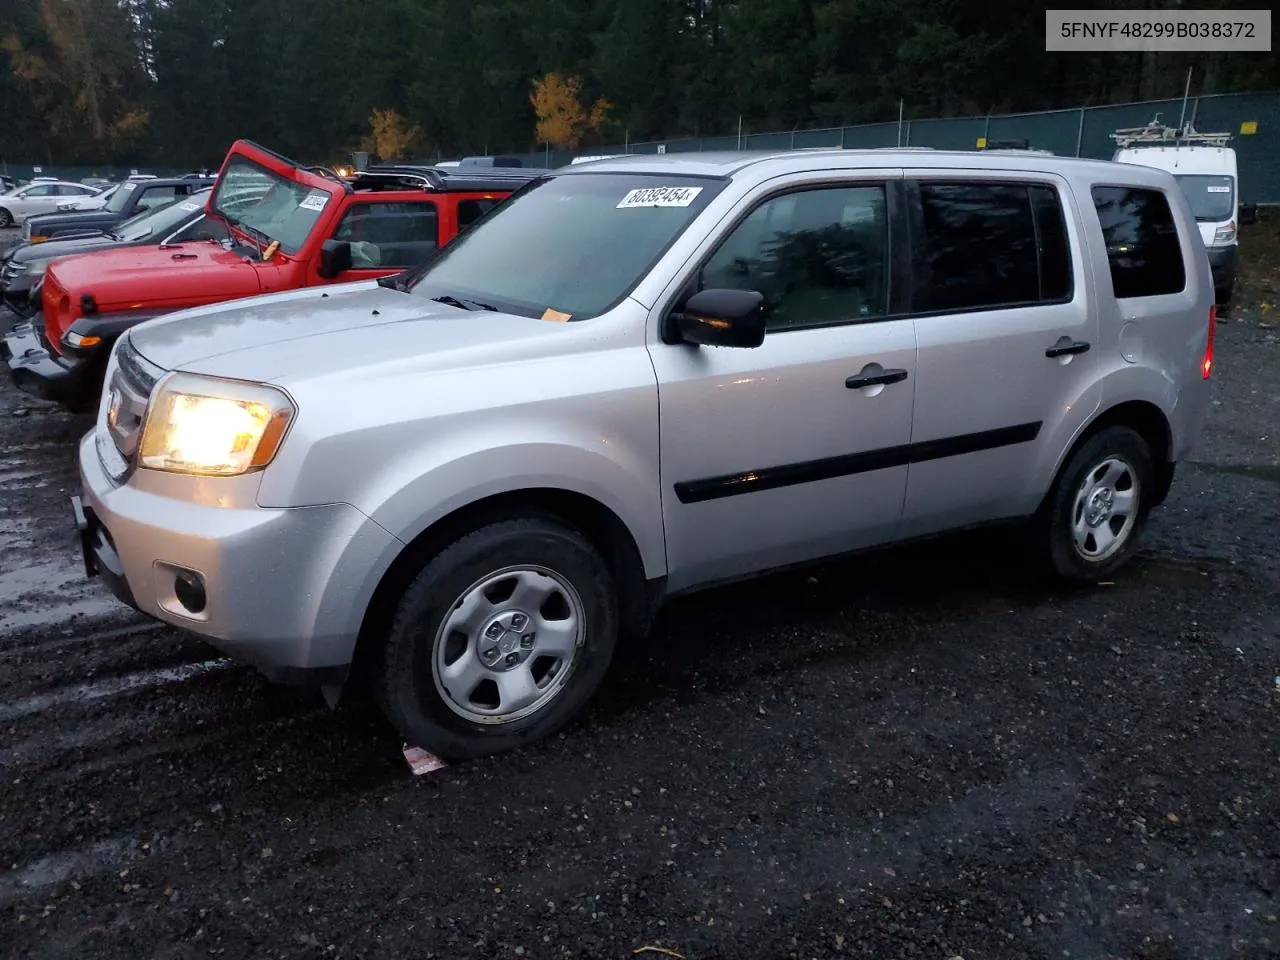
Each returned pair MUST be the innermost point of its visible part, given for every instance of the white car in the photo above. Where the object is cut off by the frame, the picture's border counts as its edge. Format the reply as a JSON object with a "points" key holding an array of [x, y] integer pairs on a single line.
{"points": [[95, 201], [39, 196]]}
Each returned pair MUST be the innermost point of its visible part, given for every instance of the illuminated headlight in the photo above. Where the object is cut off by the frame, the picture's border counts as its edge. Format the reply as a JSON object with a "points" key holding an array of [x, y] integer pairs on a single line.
{"points": [[1225, 234], [215, 428]]}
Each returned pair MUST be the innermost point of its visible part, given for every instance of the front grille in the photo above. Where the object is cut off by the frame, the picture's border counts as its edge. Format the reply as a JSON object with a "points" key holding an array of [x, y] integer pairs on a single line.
{"points": [[129, 385]]}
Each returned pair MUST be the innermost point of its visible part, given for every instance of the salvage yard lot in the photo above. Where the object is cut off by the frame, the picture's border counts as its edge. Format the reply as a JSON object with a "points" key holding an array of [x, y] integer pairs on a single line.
{"points": [[919, 753]]}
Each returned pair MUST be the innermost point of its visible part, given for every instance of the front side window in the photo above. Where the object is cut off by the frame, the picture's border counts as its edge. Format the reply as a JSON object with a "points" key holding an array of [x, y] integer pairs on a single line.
{"points": [[153, 197], [574, 244], [389, 234], [818, 256], [1212, 198], [469, 211], [1141, 240], [269, 205]]}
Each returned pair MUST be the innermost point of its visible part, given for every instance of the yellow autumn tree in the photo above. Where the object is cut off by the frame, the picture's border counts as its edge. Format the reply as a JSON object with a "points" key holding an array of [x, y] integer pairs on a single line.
{"points": [[563, 119], [392, 137]]}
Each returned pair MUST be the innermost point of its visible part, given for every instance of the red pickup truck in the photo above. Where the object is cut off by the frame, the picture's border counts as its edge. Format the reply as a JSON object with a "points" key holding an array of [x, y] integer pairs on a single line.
{"points": [[292, 226]]}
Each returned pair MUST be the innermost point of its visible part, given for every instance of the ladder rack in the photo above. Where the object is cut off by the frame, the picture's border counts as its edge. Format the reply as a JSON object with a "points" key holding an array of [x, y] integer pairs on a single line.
{"points": [[1156, 133]]}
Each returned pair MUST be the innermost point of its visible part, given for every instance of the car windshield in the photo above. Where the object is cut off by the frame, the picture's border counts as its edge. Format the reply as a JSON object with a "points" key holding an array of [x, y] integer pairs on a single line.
{"points": [[158, 221], [269, 204], [574, 244], [1212, 198], [120, 199]]}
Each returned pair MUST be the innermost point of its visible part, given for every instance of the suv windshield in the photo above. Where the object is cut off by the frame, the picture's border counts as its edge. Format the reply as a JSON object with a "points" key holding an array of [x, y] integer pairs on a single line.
{"points": [[575, 243], [120, 199], [160, 220], [1212, 198], [266, 203]]}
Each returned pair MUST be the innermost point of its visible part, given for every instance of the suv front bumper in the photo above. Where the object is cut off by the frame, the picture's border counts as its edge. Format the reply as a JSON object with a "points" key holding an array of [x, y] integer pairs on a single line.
{"points": [[282, 589], [36, 369]]}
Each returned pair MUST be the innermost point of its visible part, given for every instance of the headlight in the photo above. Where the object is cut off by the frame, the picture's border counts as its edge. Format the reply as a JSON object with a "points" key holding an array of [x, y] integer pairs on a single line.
{"points": [[36, 268], [216, 428]]}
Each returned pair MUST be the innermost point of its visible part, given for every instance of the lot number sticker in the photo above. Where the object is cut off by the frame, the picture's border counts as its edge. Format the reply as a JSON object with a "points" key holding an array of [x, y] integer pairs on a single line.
{"points": [[659, 197], [315, 200], [1219, 189], [190, 206]]}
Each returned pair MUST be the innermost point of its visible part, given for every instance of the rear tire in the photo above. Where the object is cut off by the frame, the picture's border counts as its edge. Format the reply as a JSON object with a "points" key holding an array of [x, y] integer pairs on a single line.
{"points": [[1095, 513], [6, 218], [499, 641]]}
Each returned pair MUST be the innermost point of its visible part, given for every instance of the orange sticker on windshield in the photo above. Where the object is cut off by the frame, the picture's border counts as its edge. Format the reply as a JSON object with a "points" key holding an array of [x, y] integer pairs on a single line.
{"points": [[556, 315]]}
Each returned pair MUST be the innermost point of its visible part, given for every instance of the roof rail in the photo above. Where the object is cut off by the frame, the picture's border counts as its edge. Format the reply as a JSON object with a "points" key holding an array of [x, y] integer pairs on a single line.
{"points": [[1158, 134], [449, 178]]}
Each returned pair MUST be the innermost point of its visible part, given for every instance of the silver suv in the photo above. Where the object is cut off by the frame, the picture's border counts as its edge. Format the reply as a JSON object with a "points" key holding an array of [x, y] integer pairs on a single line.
{"points": [[635, 378]]}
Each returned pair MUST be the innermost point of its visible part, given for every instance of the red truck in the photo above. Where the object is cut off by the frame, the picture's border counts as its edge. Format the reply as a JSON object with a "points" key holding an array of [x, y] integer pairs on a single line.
{"points": [[292, 226]]}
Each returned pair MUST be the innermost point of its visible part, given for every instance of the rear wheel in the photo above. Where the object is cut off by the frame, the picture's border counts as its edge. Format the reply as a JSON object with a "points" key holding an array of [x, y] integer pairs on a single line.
{"points": [[6, 218], [499, 641], [1096, 511]]}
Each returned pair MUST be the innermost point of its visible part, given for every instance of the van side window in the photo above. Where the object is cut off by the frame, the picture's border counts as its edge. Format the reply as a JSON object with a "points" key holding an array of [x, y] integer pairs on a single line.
{"points": [[819, 256], [1141, 240], [981, 251]]}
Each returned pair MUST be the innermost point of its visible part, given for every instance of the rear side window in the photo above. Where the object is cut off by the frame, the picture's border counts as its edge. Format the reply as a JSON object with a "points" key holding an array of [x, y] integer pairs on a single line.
{"points": [[1141, 240], [991, 245]]}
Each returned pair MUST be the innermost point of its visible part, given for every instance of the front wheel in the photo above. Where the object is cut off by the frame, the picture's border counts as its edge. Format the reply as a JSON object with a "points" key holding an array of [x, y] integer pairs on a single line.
{"points": [[499, 641], [1096, 511]]}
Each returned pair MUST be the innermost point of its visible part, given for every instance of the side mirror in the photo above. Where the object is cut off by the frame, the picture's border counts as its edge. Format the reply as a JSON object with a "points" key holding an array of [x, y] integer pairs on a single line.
{"points": [[335, 256], [723, 318]]}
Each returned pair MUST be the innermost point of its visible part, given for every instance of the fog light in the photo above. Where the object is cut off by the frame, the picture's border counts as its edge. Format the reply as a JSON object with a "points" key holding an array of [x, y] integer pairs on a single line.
{"points": [[188, 588]]}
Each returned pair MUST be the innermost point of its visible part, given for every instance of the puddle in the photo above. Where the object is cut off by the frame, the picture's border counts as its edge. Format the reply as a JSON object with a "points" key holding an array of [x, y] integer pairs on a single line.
{"points": [[1269, 473], [110, 687]]}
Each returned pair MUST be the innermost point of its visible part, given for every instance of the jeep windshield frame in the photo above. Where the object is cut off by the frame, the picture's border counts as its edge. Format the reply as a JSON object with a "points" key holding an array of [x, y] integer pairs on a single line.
{"points": [[572, 244], [265, 205]]}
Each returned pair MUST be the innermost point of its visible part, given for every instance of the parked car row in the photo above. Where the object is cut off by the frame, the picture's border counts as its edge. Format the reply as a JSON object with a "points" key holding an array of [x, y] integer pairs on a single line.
{"points": [[459, 434]]}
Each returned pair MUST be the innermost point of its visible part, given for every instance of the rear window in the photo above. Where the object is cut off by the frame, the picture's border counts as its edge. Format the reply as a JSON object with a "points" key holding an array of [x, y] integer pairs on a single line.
{"points": [[1141, 241], [992, 245]]}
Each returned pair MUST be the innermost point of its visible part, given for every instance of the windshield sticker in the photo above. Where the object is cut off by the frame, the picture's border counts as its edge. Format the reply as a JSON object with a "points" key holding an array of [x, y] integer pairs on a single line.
{"points": [[315, 200], [556, 315], [190, 206], [126, 187], [659, 197], [1219, 189]]}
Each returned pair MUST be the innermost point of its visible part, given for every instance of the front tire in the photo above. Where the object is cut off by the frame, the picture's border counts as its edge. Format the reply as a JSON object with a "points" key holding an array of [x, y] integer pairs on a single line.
{"points": [[1094, 515], [499, 641], [1222, 296]]}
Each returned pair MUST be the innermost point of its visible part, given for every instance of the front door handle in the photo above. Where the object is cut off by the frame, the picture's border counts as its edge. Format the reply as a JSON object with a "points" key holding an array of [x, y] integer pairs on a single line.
{"points": [[869, 379], [1066, 347]]}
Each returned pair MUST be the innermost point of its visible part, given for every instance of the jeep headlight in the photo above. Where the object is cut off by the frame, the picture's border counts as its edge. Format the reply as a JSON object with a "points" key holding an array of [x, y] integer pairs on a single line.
{"points": [[211, 427], [36, 268]]}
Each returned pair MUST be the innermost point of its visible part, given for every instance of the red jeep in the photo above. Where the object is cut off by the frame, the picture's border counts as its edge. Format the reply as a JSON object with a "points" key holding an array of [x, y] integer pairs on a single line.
{"points": [[291, 227]]}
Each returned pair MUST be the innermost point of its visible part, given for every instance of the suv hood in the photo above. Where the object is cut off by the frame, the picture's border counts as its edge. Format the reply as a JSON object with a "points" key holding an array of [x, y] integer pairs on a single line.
{"points": [[134, 277], [63, 246], [84, 219], [318, 331]]}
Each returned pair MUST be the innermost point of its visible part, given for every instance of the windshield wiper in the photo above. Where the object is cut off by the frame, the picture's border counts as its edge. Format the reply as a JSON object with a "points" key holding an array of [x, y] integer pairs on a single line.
{"points": [[455, 302], [449, 301]]}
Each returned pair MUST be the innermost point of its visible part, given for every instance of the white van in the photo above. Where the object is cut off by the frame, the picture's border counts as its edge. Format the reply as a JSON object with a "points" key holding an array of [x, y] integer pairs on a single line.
{"points": [[1205, 168]]}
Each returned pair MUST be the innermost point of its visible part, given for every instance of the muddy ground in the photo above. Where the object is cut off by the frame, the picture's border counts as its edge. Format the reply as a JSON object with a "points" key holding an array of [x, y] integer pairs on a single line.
{"points": [[919, 754]]}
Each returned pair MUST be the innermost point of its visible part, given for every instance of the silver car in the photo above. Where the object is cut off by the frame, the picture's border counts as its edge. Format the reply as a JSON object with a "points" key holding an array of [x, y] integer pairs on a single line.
{"points": [[637, 378], [39, 196]]}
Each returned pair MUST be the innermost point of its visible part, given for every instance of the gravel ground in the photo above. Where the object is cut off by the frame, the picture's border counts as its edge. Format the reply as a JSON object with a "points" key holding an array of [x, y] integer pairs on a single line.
{"points": [[919, 754]]}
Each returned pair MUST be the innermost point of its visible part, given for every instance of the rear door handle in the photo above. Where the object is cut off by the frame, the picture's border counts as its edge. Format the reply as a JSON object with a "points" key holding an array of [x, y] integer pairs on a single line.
{"points": [[866, 379], [1066, 347]]}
